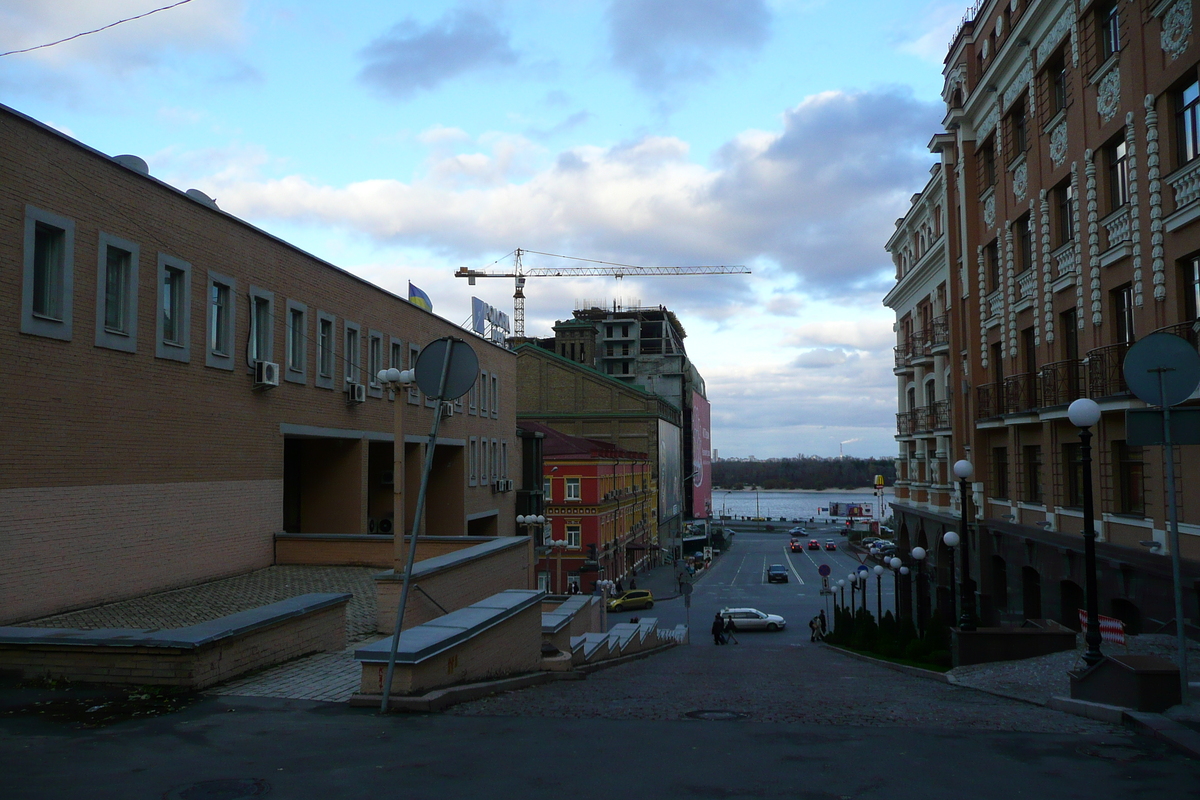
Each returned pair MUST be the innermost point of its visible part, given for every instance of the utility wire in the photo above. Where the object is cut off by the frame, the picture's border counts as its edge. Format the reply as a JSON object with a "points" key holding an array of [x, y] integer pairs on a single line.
{"points": [[97, 30]]}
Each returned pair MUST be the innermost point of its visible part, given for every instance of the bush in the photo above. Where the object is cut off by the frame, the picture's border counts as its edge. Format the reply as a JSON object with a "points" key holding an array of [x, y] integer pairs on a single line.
{"points": [[940, 658], [916, 650]]}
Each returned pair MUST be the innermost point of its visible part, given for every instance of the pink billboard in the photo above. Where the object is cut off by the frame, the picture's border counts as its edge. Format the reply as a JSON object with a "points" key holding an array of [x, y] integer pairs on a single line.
{"points": [[701, 457]]}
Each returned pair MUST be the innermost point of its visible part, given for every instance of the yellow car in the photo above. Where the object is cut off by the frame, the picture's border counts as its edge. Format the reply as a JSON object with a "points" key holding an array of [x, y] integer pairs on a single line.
{"points": [[630, 600]]}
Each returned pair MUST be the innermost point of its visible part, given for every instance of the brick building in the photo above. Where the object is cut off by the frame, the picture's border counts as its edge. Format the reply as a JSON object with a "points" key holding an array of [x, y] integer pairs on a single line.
{"points": [[600, 500], [1068, 217], [181, 386]]}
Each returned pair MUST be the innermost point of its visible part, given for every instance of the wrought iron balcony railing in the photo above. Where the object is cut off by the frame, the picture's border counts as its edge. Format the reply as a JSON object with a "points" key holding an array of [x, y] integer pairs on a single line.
{"points": [[1105, 376], [941, 415], [1061, 382], [988, 400], [1020, 393]]}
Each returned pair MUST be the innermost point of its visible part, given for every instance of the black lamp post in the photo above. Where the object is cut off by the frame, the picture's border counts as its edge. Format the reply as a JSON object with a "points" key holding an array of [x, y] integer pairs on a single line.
{"points": [[897, 570], [842, 586], [964, 470], [878, 592], [951, 539], [853, 577], [918, 554], [1085, 413]]}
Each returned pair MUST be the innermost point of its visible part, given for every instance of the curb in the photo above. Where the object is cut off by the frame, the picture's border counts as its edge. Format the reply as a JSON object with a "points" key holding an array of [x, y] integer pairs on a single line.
{"points": [[1168, 730], [917, 672]]}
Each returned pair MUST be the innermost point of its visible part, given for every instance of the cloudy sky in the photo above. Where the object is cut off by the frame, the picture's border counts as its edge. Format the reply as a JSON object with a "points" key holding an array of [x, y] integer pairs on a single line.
{"points": [[402, 140]]}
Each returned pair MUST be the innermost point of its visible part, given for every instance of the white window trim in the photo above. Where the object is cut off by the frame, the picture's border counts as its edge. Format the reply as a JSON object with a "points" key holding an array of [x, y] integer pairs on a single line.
{"points": [[578, 484], [257, 294], [182, 350], [473, 403], [374, 387], [40, 326], [573, 542], [127, 341], [211, 357], [326, 381], [289, 372], [495, 396]]}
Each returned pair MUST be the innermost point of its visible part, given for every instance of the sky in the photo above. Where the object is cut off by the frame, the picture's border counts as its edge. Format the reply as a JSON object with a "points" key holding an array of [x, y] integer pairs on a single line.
{"points": [[403, 140]]}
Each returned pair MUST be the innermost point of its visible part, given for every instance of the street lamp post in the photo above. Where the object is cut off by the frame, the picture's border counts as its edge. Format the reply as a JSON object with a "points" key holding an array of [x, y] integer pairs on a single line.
{"points": [[918, 554], [842, 586], [951, 539], [1084, 413], [853, 578], [964, 471], [895, 563], [878, 592]]}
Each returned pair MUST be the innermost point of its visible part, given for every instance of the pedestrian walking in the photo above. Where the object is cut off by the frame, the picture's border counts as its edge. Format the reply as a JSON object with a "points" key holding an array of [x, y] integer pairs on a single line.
{"points": [[617, 586], [824, 627], [814, 627], [633, 583], [718, 629], [729, 629]]}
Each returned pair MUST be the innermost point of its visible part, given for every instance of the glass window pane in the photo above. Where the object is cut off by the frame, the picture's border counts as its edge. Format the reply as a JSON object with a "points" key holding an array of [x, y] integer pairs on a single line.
{"points": [[47, 271], [116, 288]]}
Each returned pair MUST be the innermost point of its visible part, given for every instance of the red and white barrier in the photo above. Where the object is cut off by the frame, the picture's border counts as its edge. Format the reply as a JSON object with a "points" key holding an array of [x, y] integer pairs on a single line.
{"points": [[1111, 629]]}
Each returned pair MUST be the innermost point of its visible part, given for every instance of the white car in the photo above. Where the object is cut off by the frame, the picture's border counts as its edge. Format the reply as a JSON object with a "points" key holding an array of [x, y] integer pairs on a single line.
{"points": [[751, 619]]}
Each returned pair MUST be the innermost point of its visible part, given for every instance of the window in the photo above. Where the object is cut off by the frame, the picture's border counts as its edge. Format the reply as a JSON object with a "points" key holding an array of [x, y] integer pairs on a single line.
{"points": [[174, 298], [573, 489], [297, 341], [483, 395], [1190, 288], [546, 495], [1069, 334], [374, 362], [1064, 206], [1033, 473], [46, 289], [1056, 81], [116, 294], [326, 349], [353, 356], [495, 460], [262, 325], [473, 400], [1108, 28], [1073, 471], [503, 459], [987, 161], [1187, 105], [1131, 497], [1118, 175], [474, 462], [1000, 471], [574, 535], [221, 291], [495, 396], [1123, 313], [414, 394], [1019, 126], [991, 265], [1024, 237], [998, 361]]}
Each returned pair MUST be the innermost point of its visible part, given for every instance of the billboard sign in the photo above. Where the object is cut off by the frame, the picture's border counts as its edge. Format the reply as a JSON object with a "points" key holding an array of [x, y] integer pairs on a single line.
{"points": [[488, 321], [670, 473], [850, 509], [701, 457]]}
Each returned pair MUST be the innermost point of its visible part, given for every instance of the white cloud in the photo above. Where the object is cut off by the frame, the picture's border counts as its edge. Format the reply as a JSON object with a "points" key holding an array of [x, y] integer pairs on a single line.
{"points": [[928, 37]]}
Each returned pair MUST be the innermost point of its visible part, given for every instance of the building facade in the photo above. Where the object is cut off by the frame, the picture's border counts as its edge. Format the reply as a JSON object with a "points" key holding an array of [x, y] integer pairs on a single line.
{"points": [[1072, 214], [180, 386]]}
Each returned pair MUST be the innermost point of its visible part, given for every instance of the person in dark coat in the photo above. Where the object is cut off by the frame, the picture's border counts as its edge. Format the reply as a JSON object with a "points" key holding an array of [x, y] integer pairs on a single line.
{"points": [[617, 587], [824, 629], [718, 629]]}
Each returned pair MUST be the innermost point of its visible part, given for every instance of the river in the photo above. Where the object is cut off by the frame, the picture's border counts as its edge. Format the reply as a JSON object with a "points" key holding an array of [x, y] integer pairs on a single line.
{"points": [[792, 505]]}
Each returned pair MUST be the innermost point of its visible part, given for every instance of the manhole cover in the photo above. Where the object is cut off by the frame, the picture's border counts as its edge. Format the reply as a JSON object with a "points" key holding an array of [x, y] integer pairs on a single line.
{"points": [[222, 789], [717, 715]]}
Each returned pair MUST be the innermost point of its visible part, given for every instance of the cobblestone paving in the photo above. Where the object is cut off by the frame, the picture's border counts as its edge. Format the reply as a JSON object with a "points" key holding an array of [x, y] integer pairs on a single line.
{"points": [[1039, 679], [804, 684]]}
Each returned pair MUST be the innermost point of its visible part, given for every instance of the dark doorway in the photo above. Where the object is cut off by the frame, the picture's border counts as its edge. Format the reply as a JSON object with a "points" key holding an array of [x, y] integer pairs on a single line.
{"points": [[1000, 584], [1128, 613], [1031, 592], [292, 470], [1072, 599]]}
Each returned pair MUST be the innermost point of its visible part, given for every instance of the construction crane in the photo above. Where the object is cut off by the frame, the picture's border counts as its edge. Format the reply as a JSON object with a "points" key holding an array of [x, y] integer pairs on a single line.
{"points": [[521, 272]]}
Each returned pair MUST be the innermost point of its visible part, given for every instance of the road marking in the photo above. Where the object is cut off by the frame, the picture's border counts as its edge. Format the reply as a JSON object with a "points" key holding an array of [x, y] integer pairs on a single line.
{"points": [[792, 567], [739, 571]]}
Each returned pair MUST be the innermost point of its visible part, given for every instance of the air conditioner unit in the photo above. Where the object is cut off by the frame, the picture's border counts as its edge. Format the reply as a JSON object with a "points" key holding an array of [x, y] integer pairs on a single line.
{"points": [[496, 486], [372, 525], [447, 409], [266, 374], [356, 393], [510, 485]]}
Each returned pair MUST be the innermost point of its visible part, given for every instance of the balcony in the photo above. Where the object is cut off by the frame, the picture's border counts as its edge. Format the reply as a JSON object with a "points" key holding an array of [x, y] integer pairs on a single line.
{"points": [[901, 354], [1116, 225], [988, 399], [905, 423], [922, 419], [1184, 330], [1061, 382], [1105, 377], [1064, 260], [941, 415], [1027, 285], [920, 347], [939, 334], [1020, 393], [1185, 183]]}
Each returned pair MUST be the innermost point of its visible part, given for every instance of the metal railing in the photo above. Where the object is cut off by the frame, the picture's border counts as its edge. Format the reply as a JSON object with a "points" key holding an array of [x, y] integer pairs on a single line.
{"points": [[987, 400], [1020, 393], [922, 419], [1184, 330], [941, 415], [939, 332], [1061, 382], [1105, 377], [904, 423]]}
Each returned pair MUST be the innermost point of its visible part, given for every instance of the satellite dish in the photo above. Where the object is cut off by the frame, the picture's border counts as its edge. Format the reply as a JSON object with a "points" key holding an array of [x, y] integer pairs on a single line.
{"points": [[1163, 369], [461, 370], [135, 163], [201, 197]]}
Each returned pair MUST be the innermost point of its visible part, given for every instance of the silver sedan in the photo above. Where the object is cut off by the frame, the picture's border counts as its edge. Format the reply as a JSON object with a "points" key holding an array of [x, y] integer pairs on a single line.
{"points": [[751, 619]]}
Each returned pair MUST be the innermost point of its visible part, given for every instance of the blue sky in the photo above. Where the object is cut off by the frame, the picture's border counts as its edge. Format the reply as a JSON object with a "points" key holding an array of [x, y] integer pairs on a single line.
{"points": [[402, 140]]}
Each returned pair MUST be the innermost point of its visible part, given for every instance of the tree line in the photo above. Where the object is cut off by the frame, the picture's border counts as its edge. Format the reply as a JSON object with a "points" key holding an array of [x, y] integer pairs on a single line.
{"points": [[803, 473]]}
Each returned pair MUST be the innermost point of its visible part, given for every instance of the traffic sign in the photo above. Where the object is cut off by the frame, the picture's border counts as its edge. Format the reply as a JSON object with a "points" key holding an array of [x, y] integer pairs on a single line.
{"points": [[863, 568], [824, 570], [824, 584], [686, 589]]}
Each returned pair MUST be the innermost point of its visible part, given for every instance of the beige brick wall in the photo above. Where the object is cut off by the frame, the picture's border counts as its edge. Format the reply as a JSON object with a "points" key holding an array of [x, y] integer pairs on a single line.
{"points": [[375, 553], [75, 546]]}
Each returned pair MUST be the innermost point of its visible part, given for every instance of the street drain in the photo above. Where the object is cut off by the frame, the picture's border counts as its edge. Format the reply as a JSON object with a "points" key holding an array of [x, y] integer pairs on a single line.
{"points": [[717, 715], [221, 789]]}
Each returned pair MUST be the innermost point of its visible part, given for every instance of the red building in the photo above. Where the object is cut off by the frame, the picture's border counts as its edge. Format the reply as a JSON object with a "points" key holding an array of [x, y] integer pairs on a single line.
{"points": [[600, 500]]}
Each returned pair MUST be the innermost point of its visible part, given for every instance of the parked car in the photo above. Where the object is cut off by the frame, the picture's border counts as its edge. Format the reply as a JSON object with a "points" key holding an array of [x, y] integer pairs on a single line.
{"points": [[813, 544], [631, 599], [870, 540], [830, 544], [777, 573], [751, 619]]}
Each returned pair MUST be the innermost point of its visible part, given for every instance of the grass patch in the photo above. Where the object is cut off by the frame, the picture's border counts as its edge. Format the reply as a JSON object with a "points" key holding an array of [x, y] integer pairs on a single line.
{"points": [[903, 661]]}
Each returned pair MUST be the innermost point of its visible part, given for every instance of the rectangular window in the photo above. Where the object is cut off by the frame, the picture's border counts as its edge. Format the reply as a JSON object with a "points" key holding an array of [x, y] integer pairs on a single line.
{"points": [[49, 256], [1187, 122], [495, 460], [116, 294], [991, 265], [546, 494], [295, 348], [414, 394], [374, 362], [1024, 243], [174, 295], [1073, 473], [495, 396], [352, 356], [1123, 313], [504, 459], [172, 305], [474, 461], [1029, 349], [1190, 288], [1118, 175], [1069, 335], [987, 160], [574, 536], [1108, 25], [262, 325], [220, 321], [326, 349], [483, 395], [1000, 471], [47, 282], [474, 398], [1033, 473], [1019, 126], [1056, 81], [1064, 205], [1131, 497], [573, 489]]}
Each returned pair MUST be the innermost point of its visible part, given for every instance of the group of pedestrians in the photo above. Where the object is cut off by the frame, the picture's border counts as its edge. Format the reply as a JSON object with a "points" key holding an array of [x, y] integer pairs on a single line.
{"points": [[722, 630], [816, 627]]}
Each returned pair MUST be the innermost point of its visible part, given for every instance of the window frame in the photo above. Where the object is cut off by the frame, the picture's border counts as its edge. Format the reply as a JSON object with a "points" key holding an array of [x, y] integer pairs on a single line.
{"points": [[1031, 456], [260, 297], [178, 349], [374, 362], [1108, 29], [1023, 233], [1064, 208], [1117, 156], [495, 396], [1189, 288], [351, 366], [126, 340], [570, 483], [38, 324], [1187, 123], [213, 357], [291, 373], [1000, 473], [473, 461], [573, 534], [325, 380], [1123, 319], [414, 393], [1128, 467], [1072, 460]]}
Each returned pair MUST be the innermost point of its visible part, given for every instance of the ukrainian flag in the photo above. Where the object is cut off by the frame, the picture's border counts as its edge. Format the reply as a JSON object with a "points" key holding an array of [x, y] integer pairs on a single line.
{"points": [[419, 298]]}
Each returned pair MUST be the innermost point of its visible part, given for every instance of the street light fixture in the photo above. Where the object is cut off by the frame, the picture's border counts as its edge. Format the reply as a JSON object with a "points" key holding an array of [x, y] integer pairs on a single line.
{"points": [[895, 563], [1084, 413], [878, 592], [842, 585], [918, 554], [964, 471], [853, 578], [951, 540]]}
